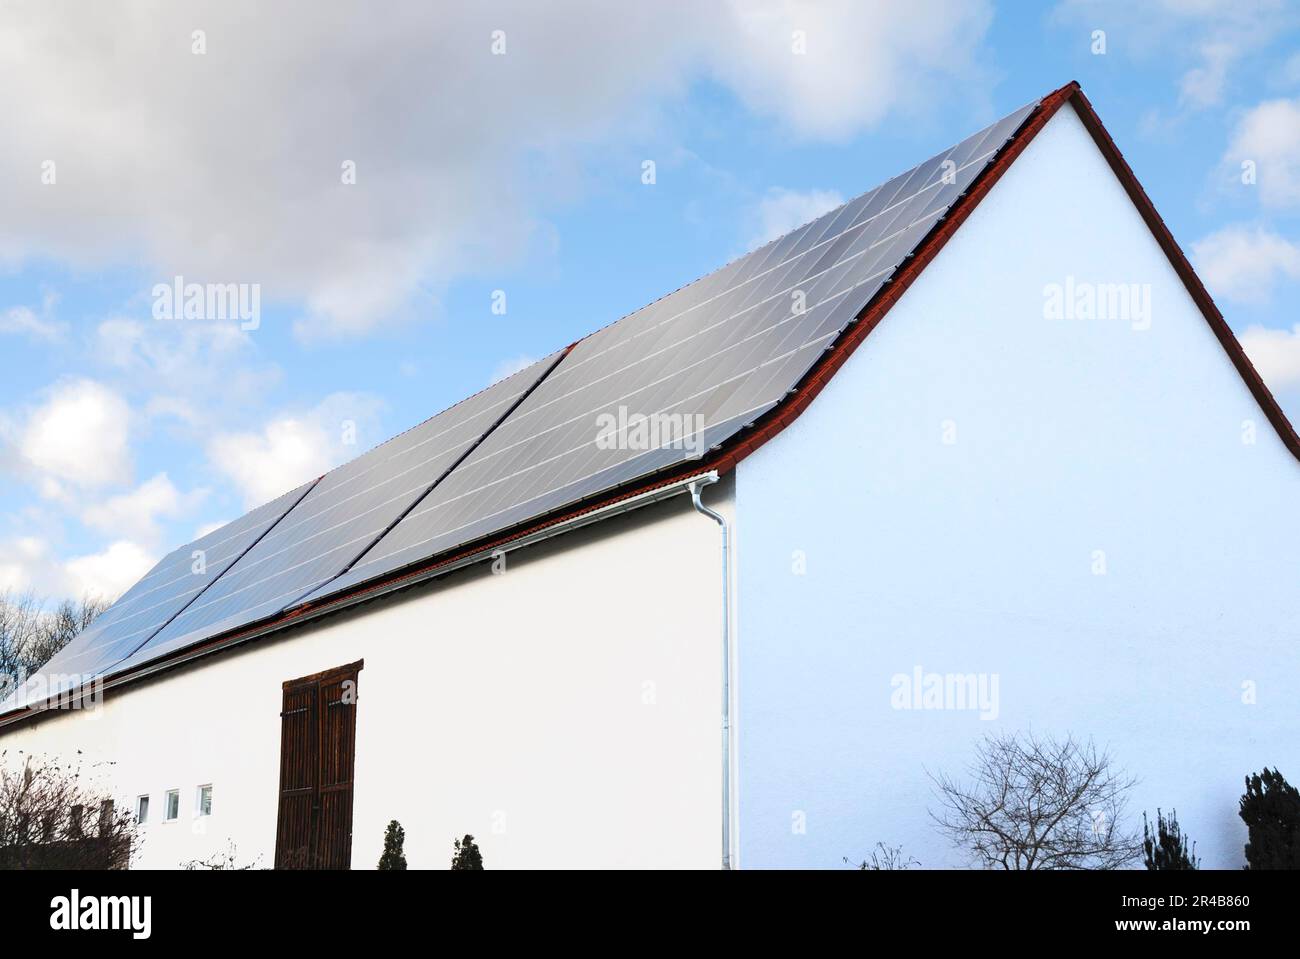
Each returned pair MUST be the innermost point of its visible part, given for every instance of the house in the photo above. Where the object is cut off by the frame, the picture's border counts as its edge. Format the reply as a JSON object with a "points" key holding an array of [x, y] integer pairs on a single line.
{"points": [[665, 597]]}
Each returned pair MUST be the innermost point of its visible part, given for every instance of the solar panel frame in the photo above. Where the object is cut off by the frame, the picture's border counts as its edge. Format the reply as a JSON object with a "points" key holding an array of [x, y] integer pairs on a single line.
{"points": [[349, 510], [736, 316]]}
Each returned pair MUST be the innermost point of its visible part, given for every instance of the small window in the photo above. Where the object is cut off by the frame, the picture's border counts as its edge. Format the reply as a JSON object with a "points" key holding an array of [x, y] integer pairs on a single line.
{"points": [[172, 805], [142, 810], [205, 800]]}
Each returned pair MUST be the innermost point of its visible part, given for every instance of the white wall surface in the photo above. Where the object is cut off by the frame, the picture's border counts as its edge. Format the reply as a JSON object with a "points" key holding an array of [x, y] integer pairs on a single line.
{"points": [[564, 712], [1071, 436]]}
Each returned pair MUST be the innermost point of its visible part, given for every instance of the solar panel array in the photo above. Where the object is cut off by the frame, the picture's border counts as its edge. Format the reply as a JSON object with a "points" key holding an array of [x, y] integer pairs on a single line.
{"points": [[178, 579], [346, 512], [701, 363], [651, 391]]}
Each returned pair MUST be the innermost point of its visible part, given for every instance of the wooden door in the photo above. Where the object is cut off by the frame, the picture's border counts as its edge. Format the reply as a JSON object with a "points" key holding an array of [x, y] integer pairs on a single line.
{"points": [[318, 737]]}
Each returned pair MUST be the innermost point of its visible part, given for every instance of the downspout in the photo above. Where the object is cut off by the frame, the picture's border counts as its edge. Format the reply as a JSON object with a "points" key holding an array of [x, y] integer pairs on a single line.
{"points": [[717, 517]]}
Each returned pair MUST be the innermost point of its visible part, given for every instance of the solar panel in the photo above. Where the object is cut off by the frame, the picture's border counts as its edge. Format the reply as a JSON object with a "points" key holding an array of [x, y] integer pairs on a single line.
{"points": [[150, 604], [697, 365], [649, 392], [345, 513]]}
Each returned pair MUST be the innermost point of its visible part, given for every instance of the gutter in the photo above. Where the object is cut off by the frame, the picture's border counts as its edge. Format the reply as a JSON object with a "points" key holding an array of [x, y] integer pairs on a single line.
{"points": [[311, 613]]}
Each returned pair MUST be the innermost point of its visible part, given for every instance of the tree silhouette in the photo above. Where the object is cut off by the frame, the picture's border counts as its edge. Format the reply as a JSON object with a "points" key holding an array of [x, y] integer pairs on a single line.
{"points": [[1271, 811], [1169, 847], [394, 838], [467, 855]]}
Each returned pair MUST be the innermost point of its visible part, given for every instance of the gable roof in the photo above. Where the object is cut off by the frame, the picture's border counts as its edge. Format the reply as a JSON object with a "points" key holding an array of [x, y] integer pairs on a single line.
{"points": [[524, 474]]}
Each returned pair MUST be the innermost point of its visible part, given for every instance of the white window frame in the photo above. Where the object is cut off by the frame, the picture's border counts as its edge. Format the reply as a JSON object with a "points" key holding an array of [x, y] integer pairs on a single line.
{"points": [[148, 802], [198, 801], [166, 805]]}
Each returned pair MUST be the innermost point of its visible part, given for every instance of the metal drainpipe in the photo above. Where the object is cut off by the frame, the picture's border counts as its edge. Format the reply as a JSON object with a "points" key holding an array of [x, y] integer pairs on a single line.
{"points": [[726, 664]]}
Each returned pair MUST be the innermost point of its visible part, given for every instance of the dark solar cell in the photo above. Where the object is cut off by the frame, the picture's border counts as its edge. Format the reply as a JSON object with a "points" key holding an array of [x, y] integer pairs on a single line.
{"points": [[347, 511]]}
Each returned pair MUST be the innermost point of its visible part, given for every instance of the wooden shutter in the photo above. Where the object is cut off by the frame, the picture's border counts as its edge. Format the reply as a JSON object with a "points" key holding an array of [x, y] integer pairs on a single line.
{"points": [[318, 734]]}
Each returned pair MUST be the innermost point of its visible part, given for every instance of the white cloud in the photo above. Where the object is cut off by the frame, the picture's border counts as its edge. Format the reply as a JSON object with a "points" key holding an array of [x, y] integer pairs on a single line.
{"points": [[287, 452], [26, 565], [111, 573], [1204, 38], [33, 566], [197, 373], [782, 210], [228, 166], [1275, 353], [294, 448], [24, 321], [1202, 86], [864, 59], [1244, 263], [78, 437], [1269, 137], [135, 515]]}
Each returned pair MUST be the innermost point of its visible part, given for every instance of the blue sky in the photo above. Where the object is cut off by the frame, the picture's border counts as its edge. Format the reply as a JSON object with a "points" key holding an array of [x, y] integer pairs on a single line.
{"points": [[211, 142]]}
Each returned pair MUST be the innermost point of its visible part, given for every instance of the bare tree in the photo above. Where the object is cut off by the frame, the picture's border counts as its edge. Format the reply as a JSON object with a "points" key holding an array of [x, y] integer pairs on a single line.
{"points": [[226, 860], [30, 634], [1038, 803], [20, 615], [57, 815], [70, 617], [885, 859]]}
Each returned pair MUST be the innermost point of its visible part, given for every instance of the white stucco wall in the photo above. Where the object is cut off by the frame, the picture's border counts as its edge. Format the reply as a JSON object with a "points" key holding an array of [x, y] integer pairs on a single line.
{"points": [[564, 712], [977, 556]]}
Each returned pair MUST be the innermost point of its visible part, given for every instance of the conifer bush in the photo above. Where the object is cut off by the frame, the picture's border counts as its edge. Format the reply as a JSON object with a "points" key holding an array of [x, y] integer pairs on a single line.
{"points": [[1270, 809], [467, 855], [394, 838], [1168, 847]]}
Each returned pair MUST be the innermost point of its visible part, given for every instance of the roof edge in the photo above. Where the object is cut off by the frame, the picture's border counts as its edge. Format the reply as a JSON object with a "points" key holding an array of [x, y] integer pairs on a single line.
{"points": [[929, 248], [871, 315], [1183, 267]]}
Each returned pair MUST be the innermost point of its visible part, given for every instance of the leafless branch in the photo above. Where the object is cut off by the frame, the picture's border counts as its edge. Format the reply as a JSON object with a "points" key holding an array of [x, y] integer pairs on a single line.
{"points": [[55, 814], [30, 633], [1038, 803]]}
